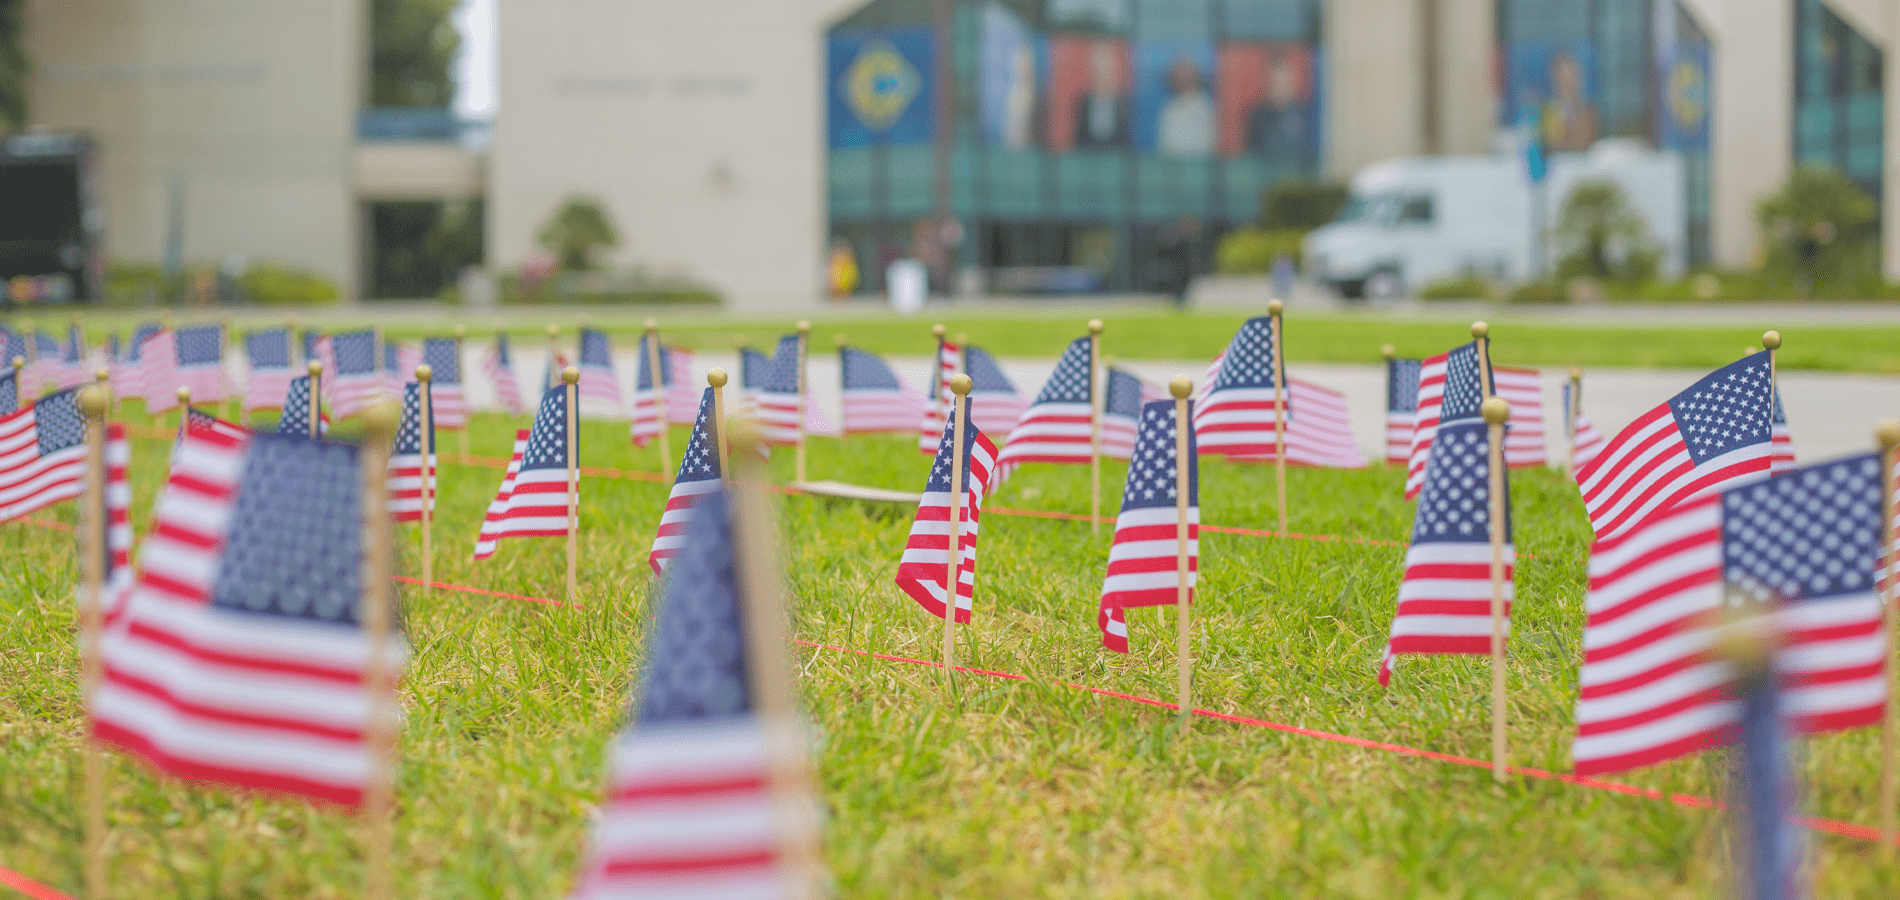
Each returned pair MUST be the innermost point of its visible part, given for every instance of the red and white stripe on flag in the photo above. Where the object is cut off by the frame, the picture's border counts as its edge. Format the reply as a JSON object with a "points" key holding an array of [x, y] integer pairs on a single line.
{"points": [[1318, 432], [118, 525], [29, 481], [1525, 442], [682, 392], [1586, 442], [1398, 436], [922, 570], [531, 503], [1431, 399], [1780, 449], [231, 698], [405, 486], [931, 432], [495, 520]]}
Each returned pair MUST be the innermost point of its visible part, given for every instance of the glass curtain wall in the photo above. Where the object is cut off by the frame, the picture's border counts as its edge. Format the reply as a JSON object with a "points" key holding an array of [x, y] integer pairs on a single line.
{"points": [[1838, 116]]}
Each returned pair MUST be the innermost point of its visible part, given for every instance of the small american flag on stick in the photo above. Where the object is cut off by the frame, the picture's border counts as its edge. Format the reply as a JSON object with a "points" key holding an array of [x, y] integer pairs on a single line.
{"points": [[1002, 403], [1525, 445], [9, 389], [351, 372], [1401, 408], [190, 357], [500, 368], [42, 454], [942, 367], [414, 437], [1451, 388], [651, 382], [875, 398], [533, 501], [1143, 558], [1585, 440], [599, 381], [925, 565], [268, 352], [698, 476], [296, 417], [448, 400]]}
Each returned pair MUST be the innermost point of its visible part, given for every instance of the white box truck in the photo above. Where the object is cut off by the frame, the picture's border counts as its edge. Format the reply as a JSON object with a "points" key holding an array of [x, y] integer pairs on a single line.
{"points": [[1411, 221]]}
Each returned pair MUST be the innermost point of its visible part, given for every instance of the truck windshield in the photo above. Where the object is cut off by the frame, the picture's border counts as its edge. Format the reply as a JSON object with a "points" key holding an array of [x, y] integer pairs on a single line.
{"points": [[1356, 208]]}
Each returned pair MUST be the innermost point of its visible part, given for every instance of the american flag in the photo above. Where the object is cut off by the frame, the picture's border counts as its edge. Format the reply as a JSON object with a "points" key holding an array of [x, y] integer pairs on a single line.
{"points": [[12, 346], [1057, 426], [646, 413], [682, 391], [1712, 436], [874, 397], [9, 391], [1236, 408], [1121, 412], [533, 501], [779, 401], [1780, 442], [1450, 389], [1002, 403], [598, 380], [1525, 445], [42, 454], [116, 530], [1142, 563], [128, 367], [43, 363], [926, 561], [690, 810], [1806, 543], [199, 420], [1445, 593], [312, 343], [443, 356], [1585, 440], [1401, 409], [941, 371], [351, 375], [190, 357], [399, 366], [296, 416], [241, 659], [72, 370], [414, 436], [753, 367], [500, 368], [698, 476], [269, 354], [1318, 430]]}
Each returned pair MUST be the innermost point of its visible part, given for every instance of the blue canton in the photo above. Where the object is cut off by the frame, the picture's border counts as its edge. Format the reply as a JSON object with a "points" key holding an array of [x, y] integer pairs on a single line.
{"points": [[443, 356], [1809, 534], [1069, 383], [45, 345], [701, 462], [864, 371], [501, 349], [696, 659], [1570, 419], [201, 345], [310, 338], [113, 347], [1781, 412], [595, 351], [268, 349], [781, 376], [9, 391], [355, 352], [1124, 395], [392, 359], [985, 375], [1401, 385], [1249, 359], [1727, 410], [296, 418], [139, 337], [75, 349], [12, 345], [409, 432], [61, 425], [643, 379], [547, 443], [1456, 502], [939, 480], [752, 368], [294, 545], [1151, 472], [1464, 386]]}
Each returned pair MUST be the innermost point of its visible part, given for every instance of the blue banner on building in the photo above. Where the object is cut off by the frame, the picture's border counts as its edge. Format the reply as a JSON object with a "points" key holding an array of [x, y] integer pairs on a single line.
{"points": [[881, 86]]}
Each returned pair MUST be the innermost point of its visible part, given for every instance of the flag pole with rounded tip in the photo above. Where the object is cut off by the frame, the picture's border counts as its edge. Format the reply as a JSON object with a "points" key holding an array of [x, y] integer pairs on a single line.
{"points": [[659, 377], [571, 377], [102, 377], [717, 379], [554, 332], [315, 368], [1771, 341], [1277, 310], [1496, 411], [1096, 383], [959, 413], [1180, 387], [1888, 436], [1480, 336], [798, 458], [937, 376], [1572, 413], [379, 429], [424, 375], [461, 434], [93, 403], [769, 664], [184, 411]]}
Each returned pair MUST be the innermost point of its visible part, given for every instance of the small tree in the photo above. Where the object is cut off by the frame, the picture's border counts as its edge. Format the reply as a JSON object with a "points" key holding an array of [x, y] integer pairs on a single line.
{"points": [[1599, 236], [1819, 228], [576, 230], [1301, 205]]}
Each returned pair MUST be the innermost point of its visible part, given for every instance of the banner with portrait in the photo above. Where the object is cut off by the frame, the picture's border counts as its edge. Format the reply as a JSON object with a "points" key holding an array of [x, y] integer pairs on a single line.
{"points": [[1013, 67], [1174, 104], [1555, 81], [1267, 102]]}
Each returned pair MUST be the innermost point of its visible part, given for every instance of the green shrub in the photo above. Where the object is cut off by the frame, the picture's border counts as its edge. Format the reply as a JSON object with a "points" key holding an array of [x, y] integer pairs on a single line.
{"points": [[601, 288], [1251, 251], [1463, 287], [1600, 238], [134, 283], [1301, 205], [576, 231], [274, 284], [1538, 292], [1820, 230]]}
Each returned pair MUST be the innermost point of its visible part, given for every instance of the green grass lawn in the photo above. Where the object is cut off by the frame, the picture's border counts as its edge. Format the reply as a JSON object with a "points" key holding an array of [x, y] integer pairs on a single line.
{"points": [[1007, 789]]}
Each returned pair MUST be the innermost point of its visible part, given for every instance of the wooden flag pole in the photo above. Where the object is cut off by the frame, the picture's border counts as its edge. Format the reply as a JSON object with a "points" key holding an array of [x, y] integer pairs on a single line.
{"points": [[1096, 381], [1496, 411], [572, 376], [717, 379], [461, 333], [1180, 387], [659, 395], [798, 459], [1480, 336], [959, 412], [554, 332], [1571, 413], [184, 411], [92, 401], [102, 377], [1888, 435], [424, 375], [937, 375], [224, 354], [768, 660], [1771, 341], [379, 428], [1277, 310], [315, 368]]}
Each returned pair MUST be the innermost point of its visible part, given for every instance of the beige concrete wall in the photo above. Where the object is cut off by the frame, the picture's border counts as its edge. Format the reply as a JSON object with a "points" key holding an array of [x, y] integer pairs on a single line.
{"points": [[1372, 88], [1751, 117], [1467, 42], [251, 103], [698, 125]]}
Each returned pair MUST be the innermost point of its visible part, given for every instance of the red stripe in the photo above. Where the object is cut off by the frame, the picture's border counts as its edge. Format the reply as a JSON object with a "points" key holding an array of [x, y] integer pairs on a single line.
{"points": [[1707, 696], [680, 864], [673, 790], [1703, 740], [259, 664], [222, 714], [1648, 676], [267, 782], [1480, 608]]}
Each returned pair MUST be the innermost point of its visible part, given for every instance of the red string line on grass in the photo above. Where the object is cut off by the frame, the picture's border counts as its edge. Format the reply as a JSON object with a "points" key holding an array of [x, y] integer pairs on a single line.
{"points": [[28, 886]]}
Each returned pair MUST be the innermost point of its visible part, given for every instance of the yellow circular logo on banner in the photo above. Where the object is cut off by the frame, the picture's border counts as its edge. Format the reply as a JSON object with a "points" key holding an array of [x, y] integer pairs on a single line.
{"points": [[879, 85], [1688, 96]]}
